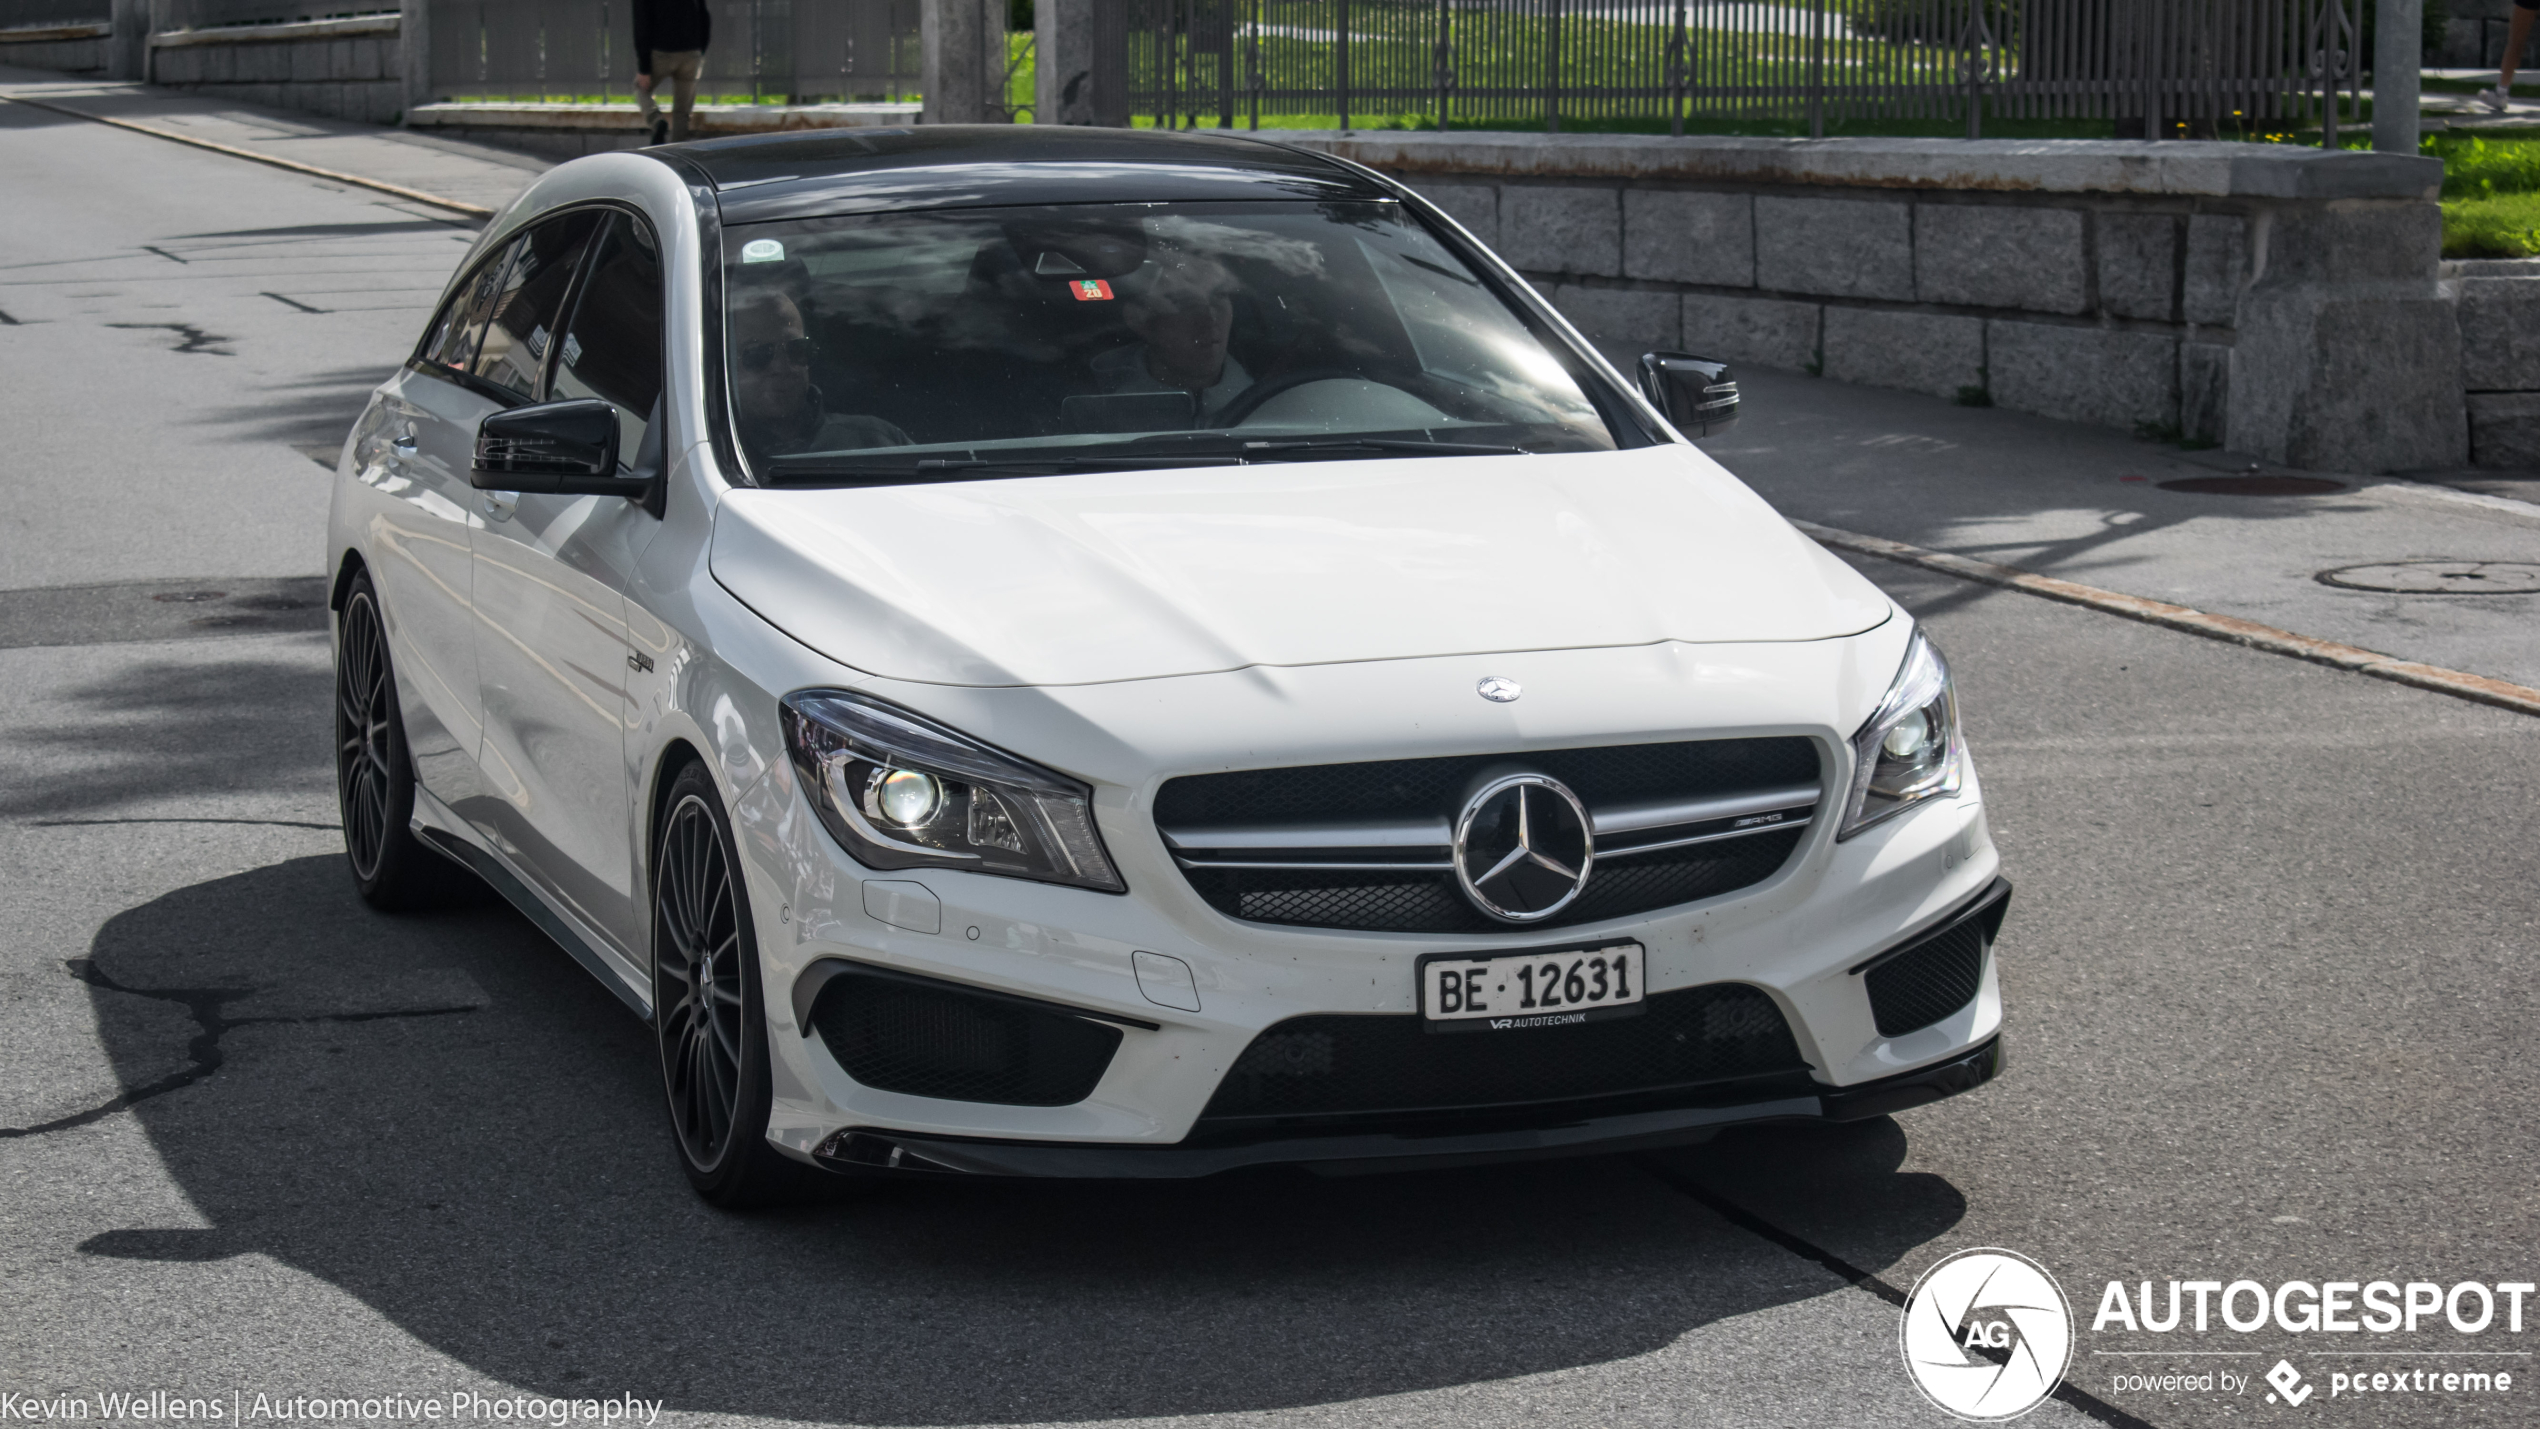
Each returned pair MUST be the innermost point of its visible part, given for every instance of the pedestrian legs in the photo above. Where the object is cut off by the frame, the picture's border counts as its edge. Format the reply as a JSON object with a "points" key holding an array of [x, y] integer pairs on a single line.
{"points": [[681, 69]]}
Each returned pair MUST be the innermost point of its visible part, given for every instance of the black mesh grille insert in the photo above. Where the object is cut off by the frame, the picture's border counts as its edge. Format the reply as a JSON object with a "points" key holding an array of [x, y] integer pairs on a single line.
{"points": [[1432, 903], [1431, 788], [1344, 1068], [1926, 983], [932, 1039]]}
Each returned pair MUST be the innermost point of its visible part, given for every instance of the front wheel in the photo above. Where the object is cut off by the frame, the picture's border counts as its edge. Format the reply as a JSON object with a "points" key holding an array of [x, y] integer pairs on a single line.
{"points": [[709, 1016], [374, 775]]}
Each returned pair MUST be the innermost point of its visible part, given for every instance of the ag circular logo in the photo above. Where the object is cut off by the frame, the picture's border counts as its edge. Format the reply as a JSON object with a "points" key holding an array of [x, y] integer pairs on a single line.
{"points": [[1987, 1334]]}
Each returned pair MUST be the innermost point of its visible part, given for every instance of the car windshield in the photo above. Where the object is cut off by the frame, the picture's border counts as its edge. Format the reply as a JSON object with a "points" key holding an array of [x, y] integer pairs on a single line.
{"points": [[934, 345]]}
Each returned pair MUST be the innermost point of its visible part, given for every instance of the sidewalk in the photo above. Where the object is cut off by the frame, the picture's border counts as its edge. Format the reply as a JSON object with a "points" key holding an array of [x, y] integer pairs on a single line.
{"points": [[2087, 504], [471, 173]]}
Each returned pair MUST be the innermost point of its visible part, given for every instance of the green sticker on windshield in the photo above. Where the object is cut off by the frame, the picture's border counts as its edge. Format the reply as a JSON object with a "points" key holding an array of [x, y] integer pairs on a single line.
{"points": [[762, 250]]}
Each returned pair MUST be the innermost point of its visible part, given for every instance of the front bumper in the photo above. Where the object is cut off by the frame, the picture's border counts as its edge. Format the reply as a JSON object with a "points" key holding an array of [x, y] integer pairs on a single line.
{"points": [[1368, 1153]]}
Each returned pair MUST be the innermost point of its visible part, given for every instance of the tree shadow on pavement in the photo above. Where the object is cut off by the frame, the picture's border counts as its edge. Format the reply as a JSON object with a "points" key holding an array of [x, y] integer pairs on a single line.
{"points": [[176, 727], [445, 1118], [316, 410]]}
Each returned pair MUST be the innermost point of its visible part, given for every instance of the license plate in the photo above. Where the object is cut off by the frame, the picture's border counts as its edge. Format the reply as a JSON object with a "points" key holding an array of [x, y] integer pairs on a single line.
{"points": [[1460, 992]]}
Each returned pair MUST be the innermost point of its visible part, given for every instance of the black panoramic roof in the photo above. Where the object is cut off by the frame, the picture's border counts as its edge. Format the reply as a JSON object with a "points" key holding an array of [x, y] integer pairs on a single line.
{"points": [[815, 173]]}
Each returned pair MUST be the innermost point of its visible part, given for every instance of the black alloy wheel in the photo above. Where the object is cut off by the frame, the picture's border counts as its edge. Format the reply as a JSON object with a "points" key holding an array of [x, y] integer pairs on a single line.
{"points": [[374, 775], [709, 1018]]}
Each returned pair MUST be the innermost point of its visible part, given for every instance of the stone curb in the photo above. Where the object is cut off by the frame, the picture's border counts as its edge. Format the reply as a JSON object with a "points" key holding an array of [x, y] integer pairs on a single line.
{"points": [[281, 33], [2195, 168], [54, 34], [705, 119], [2521, 699], [330, 175]]}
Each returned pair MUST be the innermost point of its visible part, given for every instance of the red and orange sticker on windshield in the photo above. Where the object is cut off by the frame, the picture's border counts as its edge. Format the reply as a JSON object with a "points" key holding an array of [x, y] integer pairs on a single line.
{"points": [[1090, 290]]}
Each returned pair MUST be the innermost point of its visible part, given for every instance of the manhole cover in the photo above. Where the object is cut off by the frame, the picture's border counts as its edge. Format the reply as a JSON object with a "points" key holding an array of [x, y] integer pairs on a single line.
{"points": [[188, 597], [2439, 577], [2255, 485]]}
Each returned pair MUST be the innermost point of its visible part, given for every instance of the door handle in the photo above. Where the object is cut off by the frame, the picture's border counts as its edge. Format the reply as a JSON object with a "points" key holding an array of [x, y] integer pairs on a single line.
{"points": [[499, 505]]}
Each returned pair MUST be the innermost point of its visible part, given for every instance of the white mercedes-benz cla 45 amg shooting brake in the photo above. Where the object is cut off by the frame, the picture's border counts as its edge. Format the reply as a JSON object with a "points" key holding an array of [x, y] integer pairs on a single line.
{"points": [[1061, 652]]}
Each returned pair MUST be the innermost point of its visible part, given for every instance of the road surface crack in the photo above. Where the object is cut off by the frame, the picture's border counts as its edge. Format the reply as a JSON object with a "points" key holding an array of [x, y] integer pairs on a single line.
{"points": [[196, 340], [211, 1023]]}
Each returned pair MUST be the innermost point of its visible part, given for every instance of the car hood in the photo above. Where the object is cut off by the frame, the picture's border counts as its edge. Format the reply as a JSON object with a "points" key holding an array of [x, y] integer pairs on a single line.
{"points": [[1095, 577]]}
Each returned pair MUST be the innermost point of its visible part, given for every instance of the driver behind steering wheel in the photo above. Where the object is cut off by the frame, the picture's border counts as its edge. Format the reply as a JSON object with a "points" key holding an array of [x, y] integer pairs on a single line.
{"points": [[1181, 307]]}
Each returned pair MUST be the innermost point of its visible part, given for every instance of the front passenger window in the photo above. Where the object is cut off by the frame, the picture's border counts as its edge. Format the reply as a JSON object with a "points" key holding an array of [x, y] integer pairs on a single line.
{"points": [[461, 330], [612, 348], [533, 293]]}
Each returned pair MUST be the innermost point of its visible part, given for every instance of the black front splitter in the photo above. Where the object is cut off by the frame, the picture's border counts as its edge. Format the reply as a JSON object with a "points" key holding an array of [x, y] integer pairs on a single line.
{"points": [[1367, 1153]]}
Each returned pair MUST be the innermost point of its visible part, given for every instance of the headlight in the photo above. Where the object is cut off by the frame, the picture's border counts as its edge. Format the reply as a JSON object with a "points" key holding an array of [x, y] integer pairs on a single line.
{"points": [[899, 791], [1910, 750]]}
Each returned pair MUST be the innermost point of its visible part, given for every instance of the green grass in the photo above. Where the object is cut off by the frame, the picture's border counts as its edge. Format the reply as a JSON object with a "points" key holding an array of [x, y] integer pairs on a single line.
{"points": [[2491, 193]]}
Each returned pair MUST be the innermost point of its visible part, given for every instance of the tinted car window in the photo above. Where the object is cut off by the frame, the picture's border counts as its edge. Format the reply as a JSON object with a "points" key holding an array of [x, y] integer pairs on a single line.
{"points": [[612, 348], [533, 293], [1092, 333], [460, 330]]}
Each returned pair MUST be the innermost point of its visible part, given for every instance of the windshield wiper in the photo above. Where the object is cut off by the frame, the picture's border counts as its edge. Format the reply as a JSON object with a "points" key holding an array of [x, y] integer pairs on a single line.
{"points": [[1256, 451], [790, 469]]}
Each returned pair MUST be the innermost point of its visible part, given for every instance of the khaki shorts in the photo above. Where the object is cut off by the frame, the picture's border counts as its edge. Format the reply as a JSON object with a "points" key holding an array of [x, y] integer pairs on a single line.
{"points": [[679, 69]]}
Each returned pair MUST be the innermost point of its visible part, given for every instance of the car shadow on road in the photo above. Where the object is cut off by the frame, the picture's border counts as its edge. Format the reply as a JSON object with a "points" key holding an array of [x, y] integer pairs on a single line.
{"points": [[444, 1118]]}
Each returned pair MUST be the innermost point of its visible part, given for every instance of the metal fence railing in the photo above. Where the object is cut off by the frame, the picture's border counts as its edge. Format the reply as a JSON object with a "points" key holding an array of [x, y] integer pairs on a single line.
{"points": [[763, 50], [43, 14], [1484, 63]]}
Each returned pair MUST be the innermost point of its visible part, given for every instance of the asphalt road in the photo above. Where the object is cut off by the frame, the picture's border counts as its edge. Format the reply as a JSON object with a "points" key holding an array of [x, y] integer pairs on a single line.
{"points": [[2268, 974]]}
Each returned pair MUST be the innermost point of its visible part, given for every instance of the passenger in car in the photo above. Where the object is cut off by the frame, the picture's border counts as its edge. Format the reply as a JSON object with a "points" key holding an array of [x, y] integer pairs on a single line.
{"points": [[1182, 309], [781, 411]]}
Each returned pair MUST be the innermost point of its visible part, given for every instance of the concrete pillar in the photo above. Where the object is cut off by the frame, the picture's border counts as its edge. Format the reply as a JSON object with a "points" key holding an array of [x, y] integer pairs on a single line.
{"points": [[2348, 351], [2397, 53], [128, 49], [965, 58], [1063, 53], [414, 52]]}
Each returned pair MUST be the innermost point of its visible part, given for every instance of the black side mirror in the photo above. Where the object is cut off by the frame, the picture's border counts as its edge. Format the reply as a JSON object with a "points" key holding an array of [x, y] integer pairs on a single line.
{"points": [[567, 448], [1695, 393]]}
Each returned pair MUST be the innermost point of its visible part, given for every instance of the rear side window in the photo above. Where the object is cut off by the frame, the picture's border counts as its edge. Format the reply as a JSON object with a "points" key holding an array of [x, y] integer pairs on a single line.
{"points": [[523, 322], [612, 348]]}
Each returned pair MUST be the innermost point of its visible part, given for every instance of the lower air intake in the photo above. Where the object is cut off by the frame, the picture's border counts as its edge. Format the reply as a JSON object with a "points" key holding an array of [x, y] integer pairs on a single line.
{"points": [[930, 1039], [1928, 981], [1335, 1070]]}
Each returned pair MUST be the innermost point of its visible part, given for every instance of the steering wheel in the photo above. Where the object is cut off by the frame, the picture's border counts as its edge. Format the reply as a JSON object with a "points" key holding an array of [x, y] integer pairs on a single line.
{"points": [[1253, 398]]}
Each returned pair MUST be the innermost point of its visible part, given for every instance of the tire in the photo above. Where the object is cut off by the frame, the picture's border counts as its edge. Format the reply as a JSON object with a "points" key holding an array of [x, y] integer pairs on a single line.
{"points": [[374, 773], [709, 1010]]}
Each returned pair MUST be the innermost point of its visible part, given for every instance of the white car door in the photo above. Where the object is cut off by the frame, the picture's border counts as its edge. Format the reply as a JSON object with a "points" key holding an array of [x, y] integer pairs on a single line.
{"points": [[552, 655], [417, 452]]}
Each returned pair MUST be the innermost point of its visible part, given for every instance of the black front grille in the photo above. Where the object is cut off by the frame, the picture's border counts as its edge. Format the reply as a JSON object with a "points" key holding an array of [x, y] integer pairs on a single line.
{"points": [[1434, 903], [1390, 901], [1341, 1071], [1397, 788], [1928, 981], [932, 1039]]}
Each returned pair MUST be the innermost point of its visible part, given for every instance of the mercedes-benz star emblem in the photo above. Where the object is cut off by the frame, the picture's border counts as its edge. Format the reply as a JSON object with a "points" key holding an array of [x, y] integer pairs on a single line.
{"points": [[1523, 848], [1499, 689]]}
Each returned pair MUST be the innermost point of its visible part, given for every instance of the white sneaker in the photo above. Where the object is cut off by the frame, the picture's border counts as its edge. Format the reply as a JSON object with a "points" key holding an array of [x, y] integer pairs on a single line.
{"points": [[2495, 99]]}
